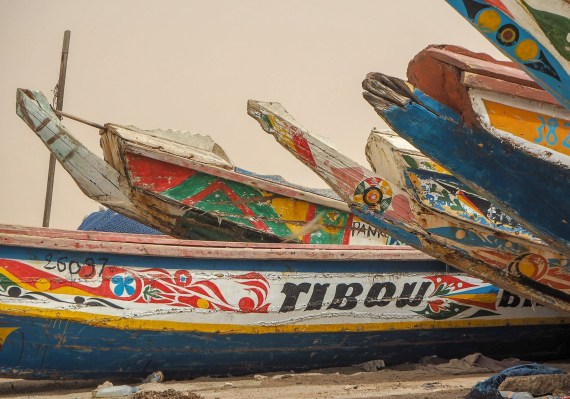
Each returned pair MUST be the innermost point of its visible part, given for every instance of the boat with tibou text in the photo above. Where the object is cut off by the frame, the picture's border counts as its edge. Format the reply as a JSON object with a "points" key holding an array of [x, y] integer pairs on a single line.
{"points": [[77, 304]]}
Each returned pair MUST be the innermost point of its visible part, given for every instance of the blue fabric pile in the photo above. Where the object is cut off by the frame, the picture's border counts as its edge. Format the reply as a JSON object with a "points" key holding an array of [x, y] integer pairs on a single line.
{"points": [[489, 389], [112, 222]]}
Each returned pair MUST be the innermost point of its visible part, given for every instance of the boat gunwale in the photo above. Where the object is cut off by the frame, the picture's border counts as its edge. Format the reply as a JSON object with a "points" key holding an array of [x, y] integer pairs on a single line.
{"points": [[483, 67], [253, 181], [147, 245], [473, 80]]}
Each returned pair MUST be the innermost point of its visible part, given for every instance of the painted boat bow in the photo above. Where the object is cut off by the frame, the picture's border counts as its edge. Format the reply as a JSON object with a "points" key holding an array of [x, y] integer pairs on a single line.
{"points": [[424, 122], [386, 206], [94, 177]]}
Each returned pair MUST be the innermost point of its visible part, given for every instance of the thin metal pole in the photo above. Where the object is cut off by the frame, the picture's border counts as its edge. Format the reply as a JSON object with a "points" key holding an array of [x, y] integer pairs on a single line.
{"points": [[59, 106]]}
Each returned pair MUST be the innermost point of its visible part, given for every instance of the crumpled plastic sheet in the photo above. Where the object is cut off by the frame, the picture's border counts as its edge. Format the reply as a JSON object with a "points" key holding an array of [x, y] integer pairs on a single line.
{"points": [[489, 389]]}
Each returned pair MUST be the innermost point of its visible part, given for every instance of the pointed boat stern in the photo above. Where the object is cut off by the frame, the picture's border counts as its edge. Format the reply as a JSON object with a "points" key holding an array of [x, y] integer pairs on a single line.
{"points": [[95, 178]]}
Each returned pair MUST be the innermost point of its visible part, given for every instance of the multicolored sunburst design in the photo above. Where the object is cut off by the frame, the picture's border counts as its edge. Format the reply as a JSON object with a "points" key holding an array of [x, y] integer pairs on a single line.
{"points": [[373, 194], [452, 296]]}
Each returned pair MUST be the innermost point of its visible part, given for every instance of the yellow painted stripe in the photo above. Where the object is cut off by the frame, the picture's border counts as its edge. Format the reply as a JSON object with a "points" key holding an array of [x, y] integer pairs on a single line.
{"points": [[486, 298], [532, 126], [4, 332], [161, 325], [60, 290]]}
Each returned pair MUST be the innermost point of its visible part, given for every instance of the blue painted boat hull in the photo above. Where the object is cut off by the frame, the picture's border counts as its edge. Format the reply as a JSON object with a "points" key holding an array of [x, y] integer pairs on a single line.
{"points": [[533, 190], [77, 304], [54, 349]]}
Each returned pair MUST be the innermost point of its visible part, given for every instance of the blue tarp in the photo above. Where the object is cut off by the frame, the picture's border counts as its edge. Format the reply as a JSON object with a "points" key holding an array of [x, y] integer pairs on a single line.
{"points": [[110, 221], [489, 389]]}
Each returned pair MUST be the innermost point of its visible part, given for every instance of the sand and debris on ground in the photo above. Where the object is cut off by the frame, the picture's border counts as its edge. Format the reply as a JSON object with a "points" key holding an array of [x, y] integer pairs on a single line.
{"points": [[432, 380]]}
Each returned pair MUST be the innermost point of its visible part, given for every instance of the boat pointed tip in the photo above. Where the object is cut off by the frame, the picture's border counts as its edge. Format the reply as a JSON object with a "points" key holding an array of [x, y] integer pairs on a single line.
{"points": [[29, 93], [383, 91], [27, 99], [378, 103], [260, 110], [22, 94]]}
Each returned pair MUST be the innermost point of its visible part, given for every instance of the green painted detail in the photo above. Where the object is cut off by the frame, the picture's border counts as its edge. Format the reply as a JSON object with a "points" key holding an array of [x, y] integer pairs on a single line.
{"points": [[268, 121], [260, 205], [437, 311], [149, 293], [330, 218], [414, 164], [482, 313], [219, 203], [5, 282], [555, 27], [410, 161]]}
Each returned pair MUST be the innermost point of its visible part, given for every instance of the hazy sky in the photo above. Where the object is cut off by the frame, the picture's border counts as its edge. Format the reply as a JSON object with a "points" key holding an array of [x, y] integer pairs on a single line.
{"points": [[192, 65]]}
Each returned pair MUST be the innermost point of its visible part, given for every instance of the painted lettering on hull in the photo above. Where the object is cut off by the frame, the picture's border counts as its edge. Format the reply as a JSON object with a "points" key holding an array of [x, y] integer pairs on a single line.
{"points": [[434, 297], [542, 129]]}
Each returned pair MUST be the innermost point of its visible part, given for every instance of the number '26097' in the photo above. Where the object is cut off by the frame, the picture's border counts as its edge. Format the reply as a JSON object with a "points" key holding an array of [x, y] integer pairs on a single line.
{"points": [[548, 132]]}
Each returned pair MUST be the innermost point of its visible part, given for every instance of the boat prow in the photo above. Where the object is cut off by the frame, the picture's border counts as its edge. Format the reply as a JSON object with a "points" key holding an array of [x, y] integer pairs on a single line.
{"points": [[97, 179], [491, 255]]}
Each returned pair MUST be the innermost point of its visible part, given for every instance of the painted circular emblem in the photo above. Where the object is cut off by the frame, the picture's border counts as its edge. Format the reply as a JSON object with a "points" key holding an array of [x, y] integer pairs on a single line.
{"points": [[183, 278], [373, 194], [508, 35], [533, 266], [527, 50], [489, 20]]}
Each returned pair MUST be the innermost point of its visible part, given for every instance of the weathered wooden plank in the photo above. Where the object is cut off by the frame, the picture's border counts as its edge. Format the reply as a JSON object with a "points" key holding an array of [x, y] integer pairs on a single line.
{"points": [[308, 252], [488, 255], [479, 64], [401, 250], [482, 82], [196, 147]]}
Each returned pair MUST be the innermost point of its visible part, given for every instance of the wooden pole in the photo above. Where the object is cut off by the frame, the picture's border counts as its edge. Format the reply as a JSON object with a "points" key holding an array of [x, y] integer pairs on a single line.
{"points": [[59, 106], [78, 119]]}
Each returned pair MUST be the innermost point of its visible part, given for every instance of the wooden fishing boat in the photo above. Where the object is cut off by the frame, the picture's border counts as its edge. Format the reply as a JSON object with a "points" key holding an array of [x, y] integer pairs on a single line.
{"points": [[433, 186], [184, 185], [518, 264], [506, 104], [90, 304], [492, 93], [532, 33], [493, 164]]}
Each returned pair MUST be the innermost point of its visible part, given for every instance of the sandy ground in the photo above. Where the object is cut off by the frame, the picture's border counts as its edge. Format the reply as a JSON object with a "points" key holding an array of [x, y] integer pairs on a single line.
{"points": [[405, 381]]}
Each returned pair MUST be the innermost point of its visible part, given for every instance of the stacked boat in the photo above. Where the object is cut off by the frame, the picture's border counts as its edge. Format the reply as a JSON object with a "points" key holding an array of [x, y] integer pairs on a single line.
{"points": [[456, 240]]}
